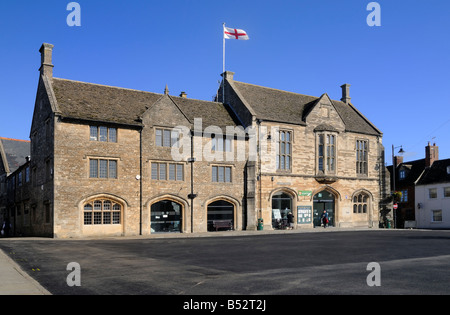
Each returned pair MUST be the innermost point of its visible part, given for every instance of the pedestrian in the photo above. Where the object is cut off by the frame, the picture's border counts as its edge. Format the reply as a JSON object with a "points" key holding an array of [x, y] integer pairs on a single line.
{"points": [[325, 218], [6, 227], [290, 220]]}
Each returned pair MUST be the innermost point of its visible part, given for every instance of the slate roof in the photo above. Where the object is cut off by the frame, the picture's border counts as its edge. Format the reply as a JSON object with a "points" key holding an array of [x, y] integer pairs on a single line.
{"points": [[415, 169], [282, 106], [88, 101], [15, 152], [436, 173]]}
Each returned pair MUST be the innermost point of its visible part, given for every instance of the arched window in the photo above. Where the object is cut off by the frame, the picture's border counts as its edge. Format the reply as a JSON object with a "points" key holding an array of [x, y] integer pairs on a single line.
{"points": [[220, 210], [102, 211], [360, 203]]}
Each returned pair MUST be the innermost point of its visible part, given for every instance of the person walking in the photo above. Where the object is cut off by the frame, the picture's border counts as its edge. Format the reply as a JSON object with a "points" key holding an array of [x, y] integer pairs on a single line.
{"points": [[325, 218]]}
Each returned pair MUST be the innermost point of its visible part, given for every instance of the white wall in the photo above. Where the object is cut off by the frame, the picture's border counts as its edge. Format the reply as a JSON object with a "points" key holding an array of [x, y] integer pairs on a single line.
{"points": [[424, 215]]}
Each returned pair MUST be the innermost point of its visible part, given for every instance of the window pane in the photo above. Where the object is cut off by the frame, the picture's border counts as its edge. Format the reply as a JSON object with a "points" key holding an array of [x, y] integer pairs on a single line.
{"points": [[116, 217], [154, 170], [228, 145], [88, 207], [159, 137], [93, 168], [447, 192], [162, 171], [87, 218], [112, 135], [228, 174], [174, 138], [214, 173], [171, 171], [112, 169], [221, 174], [220, 144], [106, 217], [97, 218], [166, 138], [180, 175], [103, 134], [103, 169], [97, 205], [107, 205], [93, 133]]}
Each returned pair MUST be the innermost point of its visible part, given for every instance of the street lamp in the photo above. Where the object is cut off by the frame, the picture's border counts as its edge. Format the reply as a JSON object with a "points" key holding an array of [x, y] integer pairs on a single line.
{"points": [[394, 171]]}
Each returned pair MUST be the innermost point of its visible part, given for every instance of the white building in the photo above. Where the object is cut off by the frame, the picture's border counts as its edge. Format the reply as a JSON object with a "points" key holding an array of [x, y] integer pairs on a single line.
{"points": [[433, 196]]}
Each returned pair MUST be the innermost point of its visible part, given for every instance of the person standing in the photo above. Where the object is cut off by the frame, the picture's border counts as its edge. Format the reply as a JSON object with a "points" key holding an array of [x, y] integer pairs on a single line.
{"points": [[290, 217], [325, 219]]}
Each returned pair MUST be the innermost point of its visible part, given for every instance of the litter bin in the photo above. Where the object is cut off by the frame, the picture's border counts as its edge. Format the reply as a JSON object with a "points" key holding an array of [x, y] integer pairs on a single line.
{"points": [[388, 224], [260, 224]]}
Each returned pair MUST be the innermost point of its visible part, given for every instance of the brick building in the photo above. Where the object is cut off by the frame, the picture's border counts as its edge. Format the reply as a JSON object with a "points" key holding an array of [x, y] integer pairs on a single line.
{"points": [[115, 161]]}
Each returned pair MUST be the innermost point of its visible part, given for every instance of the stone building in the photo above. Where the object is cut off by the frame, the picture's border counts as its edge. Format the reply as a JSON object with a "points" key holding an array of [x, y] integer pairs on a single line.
{"points": [[323, 154], [114, 161]]}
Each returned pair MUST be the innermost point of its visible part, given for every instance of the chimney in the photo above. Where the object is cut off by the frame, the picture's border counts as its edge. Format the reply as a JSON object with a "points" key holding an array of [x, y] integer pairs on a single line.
{"points": [[346, 93], [183, 95], [46, 60], [228, 75], [431, 154], [166, 90], [398, 160]]}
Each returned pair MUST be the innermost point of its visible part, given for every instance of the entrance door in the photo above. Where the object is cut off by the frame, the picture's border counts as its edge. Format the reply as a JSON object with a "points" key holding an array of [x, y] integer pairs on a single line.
{"points": [[281, 206], [220, 210], [166, 216], [323, 200]]}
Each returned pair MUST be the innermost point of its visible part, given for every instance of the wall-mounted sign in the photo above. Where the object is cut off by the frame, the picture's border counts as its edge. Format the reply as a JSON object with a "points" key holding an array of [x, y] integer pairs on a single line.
{"points": [[304, 214], [307, 193]]}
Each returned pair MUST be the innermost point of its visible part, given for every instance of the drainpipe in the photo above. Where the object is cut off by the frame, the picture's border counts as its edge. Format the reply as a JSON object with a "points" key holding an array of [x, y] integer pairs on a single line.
{"points": [[192, 195]]}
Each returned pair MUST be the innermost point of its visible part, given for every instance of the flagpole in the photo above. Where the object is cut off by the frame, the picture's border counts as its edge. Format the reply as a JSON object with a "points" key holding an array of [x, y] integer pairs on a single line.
{"points": [[223, 70]]}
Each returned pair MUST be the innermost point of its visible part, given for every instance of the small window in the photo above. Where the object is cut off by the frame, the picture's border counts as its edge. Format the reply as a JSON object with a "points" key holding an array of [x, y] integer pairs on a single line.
{"points": [[436, 216], [360, 203], [402, 174], [404, 197], [448, 169], [103, 134], [102, 168], [219, 143], [164, 171], [446, 192], [167, 138], [221, 174], [432, 193]]}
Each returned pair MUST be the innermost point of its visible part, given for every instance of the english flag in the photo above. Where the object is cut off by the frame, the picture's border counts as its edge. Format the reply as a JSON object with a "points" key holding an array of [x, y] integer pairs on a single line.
{"points": [[234, 33]]}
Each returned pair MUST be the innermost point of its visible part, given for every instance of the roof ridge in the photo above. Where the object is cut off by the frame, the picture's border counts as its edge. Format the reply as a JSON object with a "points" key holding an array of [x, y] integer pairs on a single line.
{"points": [[109, 86], [269, 88], [11, 139]]}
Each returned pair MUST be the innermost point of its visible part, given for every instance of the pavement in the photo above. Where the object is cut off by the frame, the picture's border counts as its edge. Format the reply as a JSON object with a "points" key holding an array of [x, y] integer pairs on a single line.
{"points": [[15, 281]]}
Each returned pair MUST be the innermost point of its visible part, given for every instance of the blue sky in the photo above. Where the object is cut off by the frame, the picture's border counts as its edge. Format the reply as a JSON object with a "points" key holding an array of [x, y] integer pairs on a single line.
{"points": [[399, 71]]}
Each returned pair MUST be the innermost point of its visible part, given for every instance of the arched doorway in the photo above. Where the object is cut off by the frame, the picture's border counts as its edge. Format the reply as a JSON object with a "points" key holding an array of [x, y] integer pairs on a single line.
{"points": [[166, 216], [281, 206], [220, 210], [324, 200]]}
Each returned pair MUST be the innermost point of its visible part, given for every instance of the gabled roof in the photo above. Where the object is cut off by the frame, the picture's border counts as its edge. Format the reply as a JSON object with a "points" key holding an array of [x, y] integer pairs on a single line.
{"points": [[14, 152], [95, 102], [288, 107], [436, 173], [415, 169]]}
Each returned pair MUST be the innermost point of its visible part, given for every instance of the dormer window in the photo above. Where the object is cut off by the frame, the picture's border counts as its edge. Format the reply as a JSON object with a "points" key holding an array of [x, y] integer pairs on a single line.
{"points": [[448, 170], [402, 174]]}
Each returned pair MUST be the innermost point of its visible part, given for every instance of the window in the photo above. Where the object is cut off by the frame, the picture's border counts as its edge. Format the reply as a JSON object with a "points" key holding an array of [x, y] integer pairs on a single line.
{"points": [[360, 203], [446, 192], [285, 151], [448, 169], [102, 212], [326, 153], [27, 174], [103, 134], [404, 197], [19, 179], [164, 171], [221, 174], [102, 168], [432, 193], [436, 216], [167, 137], [219, 143], [402, 174], [361, 157]]}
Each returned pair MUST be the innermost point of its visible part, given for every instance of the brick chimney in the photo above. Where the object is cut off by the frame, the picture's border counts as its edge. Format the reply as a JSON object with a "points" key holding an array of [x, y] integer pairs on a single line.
{"points": [[398, 160], [183, 95], [431, 154], [346, 93], [46, 60]]}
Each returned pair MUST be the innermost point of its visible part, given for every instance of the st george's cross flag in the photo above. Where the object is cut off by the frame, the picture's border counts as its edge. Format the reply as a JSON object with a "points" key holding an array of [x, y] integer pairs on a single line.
{"points": [[233, 33]]}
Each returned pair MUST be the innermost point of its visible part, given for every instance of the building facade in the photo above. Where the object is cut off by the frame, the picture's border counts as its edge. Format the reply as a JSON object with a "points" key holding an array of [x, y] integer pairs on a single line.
{"points": [[432, 192], [115, 161]]}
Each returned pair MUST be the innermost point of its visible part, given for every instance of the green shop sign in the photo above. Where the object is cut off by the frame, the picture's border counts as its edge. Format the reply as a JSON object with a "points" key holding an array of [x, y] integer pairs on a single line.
{"points": [[306, 193]]}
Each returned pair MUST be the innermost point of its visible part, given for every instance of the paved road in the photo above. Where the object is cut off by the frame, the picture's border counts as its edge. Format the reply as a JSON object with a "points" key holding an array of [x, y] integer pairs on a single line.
{"points": [[411, 262]]}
